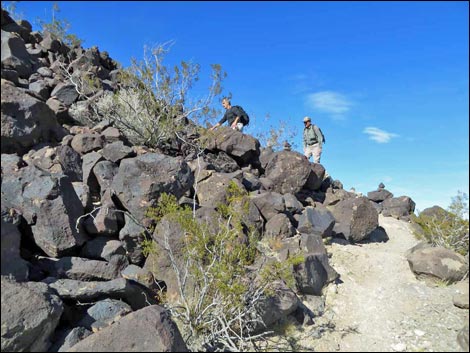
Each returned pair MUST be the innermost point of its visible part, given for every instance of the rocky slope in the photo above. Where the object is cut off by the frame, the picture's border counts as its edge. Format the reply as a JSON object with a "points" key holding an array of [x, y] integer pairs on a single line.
{"points": [[75, 193]]}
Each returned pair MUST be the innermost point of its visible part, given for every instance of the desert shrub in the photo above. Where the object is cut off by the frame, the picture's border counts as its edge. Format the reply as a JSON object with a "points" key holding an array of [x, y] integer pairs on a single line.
{"points": [[152, 103], [148, 247], [218, 311], [59, 28], [447, 228]]}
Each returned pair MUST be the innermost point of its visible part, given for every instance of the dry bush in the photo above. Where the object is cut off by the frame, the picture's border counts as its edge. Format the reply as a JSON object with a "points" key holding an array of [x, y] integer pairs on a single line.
{"points": [[447, 228]]}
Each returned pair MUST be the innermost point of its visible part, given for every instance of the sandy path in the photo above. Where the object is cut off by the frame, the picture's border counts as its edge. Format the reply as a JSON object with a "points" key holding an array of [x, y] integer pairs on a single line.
{"points": [[380, 306]]}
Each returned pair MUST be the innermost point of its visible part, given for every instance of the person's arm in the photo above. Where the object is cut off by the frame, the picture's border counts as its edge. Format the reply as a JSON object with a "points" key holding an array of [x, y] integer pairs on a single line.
{"points": [[215, 126], [223, 120]]}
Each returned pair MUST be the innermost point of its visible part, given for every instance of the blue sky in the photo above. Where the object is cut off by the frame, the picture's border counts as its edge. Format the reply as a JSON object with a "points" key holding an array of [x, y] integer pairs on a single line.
{"points": [[387, 82]]}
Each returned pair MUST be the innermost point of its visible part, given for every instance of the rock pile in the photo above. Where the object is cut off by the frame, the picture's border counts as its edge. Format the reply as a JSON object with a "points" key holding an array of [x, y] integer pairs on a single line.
{"points": [[75, 194]]}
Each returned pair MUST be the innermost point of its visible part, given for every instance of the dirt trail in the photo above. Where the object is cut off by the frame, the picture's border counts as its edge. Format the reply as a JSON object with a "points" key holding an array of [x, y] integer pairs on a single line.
{"points": [[380, 306]]}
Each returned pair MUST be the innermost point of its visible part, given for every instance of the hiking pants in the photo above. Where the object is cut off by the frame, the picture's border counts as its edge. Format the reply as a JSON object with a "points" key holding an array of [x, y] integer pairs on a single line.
{"points": [[313, 150], [239, 127]]}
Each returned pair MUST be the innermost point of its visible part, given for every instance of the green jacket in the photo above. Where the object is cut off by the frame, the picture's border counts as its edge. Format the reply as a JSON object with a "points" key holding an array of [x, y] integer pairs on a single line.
{"points": [[312, 135]]}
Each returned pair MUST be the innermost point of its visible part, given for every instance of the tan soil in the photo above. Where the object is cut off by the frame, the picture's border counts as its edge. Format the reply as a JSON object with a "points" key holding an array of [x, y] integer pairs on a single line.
{"points": [[380, 306]]}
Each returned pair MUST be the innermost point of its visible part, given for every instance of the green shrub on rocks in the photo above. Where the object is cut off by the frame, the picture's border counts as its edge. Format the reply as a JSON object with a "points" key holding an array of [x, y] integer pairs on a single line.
{"points": [[447, 228], [220, 266]]}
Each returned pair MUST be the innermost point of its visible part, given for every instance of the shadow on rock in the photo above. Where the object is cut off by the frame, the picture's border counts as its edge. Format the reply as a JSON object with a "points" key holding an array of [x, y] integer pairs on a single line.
{"points": [[377, 236]]}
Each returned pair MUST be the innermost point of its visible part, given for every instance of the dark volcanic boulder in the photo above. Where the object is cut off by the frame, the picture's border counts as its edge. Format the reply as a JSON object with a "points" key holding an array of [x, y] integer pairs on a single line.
{"points": [[315, 180], [66, 338], [265, 156], [82, 269], [14, 54], [104, 313], [289, 171], [12, 263], [293, 205], [89, 161], [104, 172], [379, 195], [242, 147], [116, 151], [134, 294], [398, 207], [40, 87], [30, 314], [56, 160], [102, 248], [282, 303], [60, 110], [106, 220], [316, 220], [315, 271], [65, 92], [49, 204], [212, 187], [310, 275], [26, 121], [147, 330], [141, 180], [279, 226], [333, 196], [437, 262], [269, 204], [355, 218], [132, 236], [221, 162], [85, 143], [70, 161]]}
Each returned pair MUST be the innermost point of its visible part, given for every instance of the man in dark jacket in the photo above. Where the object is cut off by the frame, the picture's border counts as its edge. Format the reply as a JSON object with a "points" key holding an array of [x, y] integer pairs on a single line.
{"points": [[232, 114]]}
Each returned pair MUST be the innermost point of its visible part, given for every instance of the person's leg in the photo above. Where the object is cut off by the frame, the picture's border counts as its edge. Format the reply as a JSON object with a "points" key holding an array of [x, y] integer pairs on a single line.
{"points": [[308, 152], [316, 151]]}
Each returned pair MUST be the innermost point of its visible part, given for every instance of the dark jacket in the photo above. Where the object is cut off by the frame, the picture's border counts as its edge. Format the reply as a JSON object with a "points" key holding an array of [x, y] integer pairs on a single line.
{"points": [[230, 115]]}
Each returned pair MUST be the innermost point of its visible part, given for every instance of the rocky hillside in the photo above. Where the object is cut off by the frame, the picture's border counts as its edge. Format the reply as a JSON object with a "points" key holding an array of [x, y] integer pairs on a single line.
{"points": [[76, 273]]}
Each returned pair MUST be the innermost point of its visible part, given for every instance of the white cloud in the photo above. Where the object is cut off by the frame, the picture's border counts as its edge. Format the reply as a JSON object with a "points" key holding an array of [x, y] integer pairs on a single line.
{"points": [[378, 135], [328, 101], [301, 83]]}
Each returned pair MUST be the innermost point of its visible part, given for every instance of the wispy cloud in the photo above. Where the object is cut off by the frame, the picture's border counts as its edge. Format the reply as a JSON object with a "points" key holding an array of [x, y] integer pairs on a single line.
{"points": [[303, 83], [329, 101], [378, 135]]}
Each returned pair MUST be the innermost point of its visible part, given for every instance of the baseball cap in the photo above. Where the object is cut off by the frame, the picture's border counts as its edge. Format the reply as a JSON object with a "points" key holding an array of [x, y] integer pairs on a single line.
{"points": [[306, 119]]}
